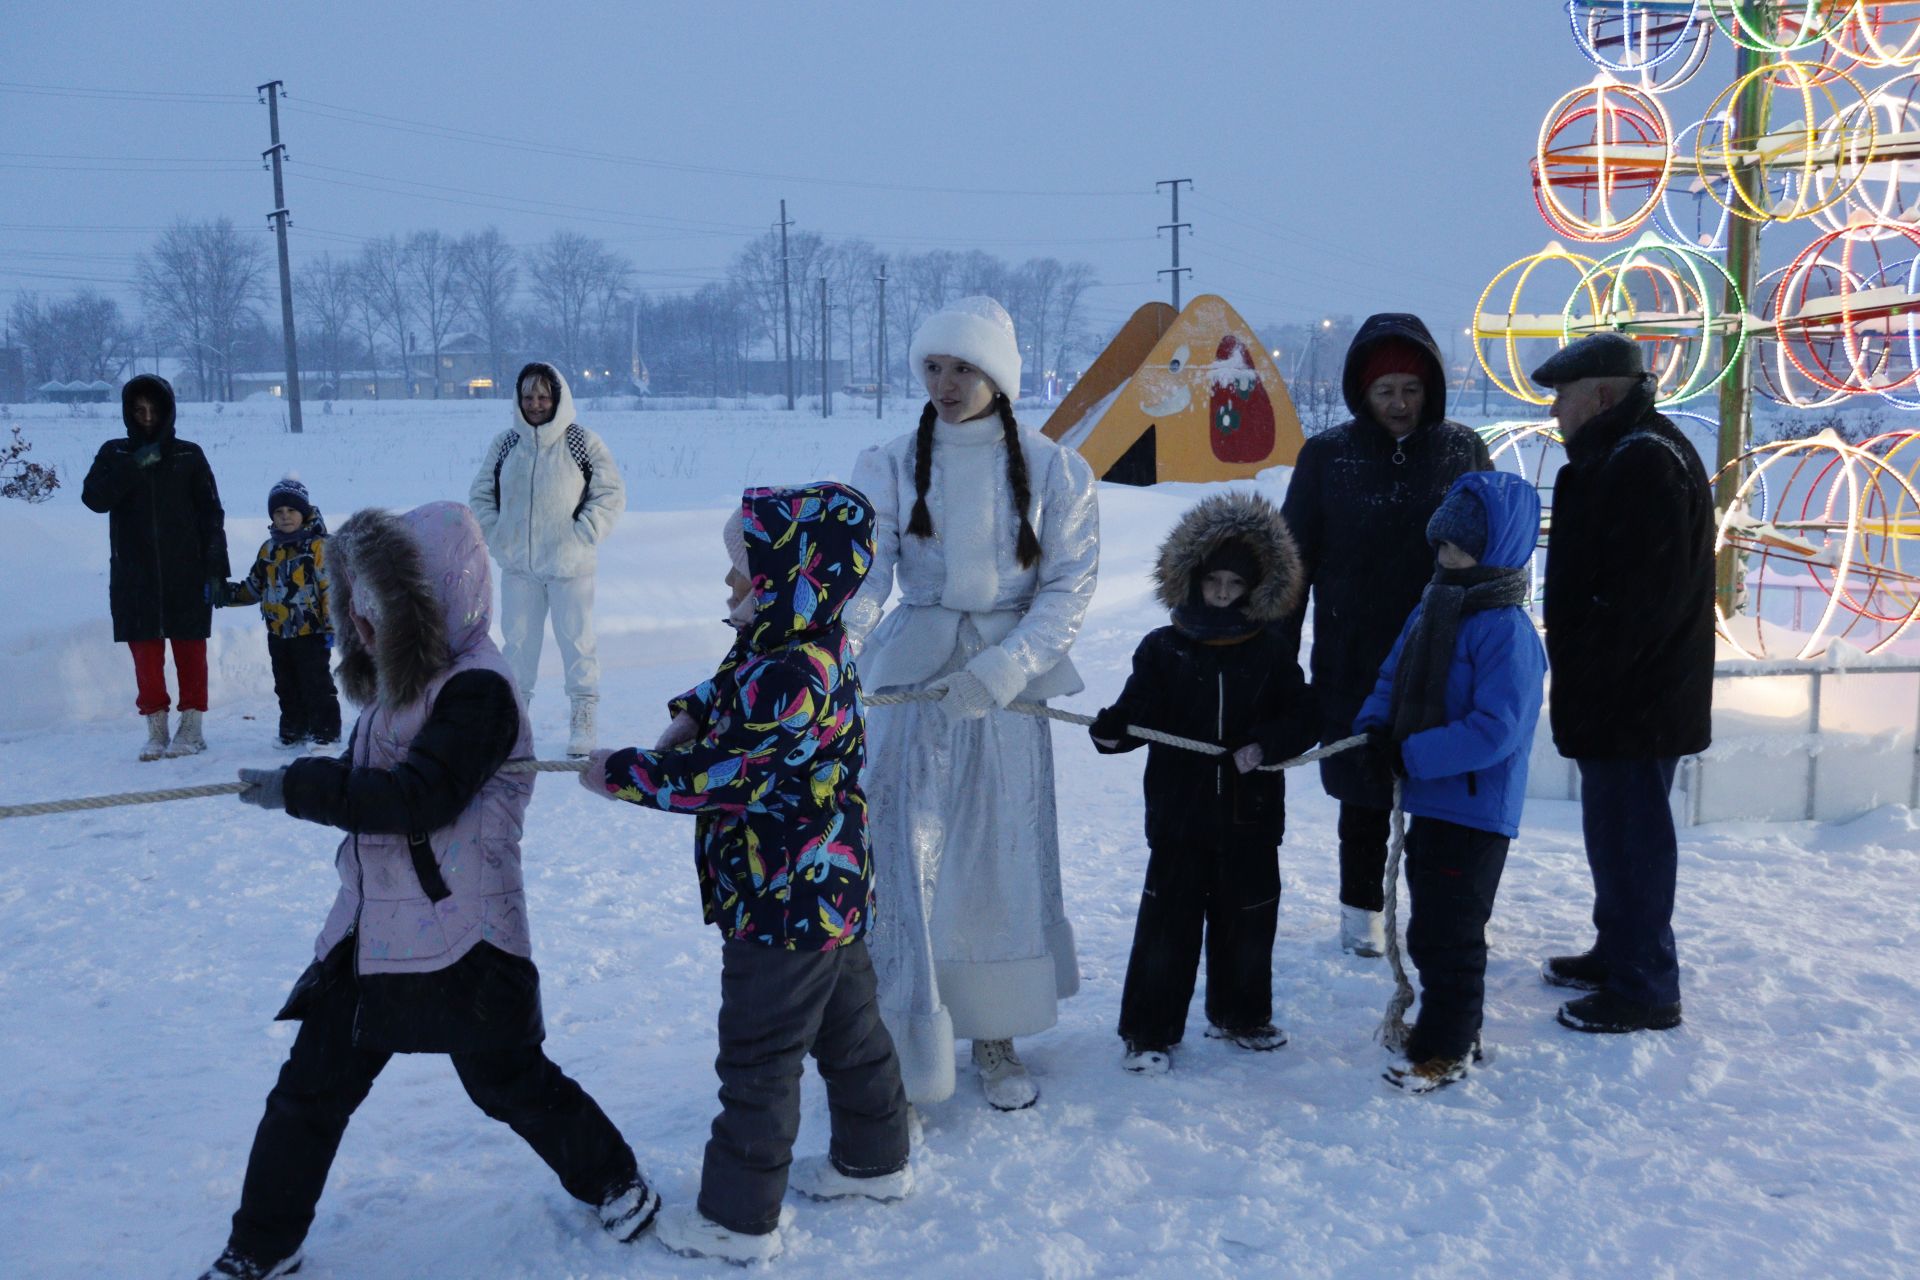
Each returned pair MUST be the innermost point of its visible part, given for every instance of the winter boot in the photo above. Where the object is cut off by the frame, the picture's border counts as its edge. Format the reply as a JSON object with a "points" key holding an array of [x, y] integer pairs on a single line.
{"points": [[686, 1231], [1003, 1077], [1362, 932], [580, 727], [1609, 1013], [1425, 1077], [817, 1178], [1584, 972], [629, 1209], [1146, 1060], [156, 736], [234, 1265], [187, 740], [1261, 1039]]}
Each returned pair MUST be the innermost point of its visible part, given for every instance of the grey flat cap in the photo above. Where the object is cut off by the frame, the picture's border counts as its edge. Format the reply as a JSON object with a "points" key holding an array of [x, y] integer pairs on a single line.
{"points": [[1598, 355]]}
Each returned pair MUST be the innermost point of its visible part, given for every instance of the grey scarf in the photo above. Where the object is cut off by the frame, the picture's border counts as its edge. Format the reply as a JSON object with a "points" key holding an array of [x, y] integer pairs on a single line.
{"points": [[1420, 681]]}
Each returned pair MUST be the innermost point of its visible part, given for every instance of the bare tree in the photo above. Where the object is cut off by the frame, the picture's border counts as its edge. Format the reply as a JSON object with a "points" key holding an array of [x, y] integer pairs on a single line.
{"points": [[200, 285], [429, 269], [489, 276], [382, 277], [1067, 330], [80, 338], [576, 281], [325, 293]]}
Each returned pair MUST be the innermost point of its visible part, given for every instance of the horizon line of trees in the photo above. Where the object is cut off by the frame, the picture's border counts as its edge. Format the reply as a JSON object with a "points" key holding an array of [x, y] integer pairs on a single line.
{"points": [[208, 296]]}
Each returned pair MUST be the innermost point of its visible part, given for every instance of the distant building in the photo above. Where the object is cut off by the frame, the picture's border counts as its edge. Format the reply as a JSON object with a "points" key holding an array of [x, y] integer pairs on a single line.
{"points": [[13, 375]]}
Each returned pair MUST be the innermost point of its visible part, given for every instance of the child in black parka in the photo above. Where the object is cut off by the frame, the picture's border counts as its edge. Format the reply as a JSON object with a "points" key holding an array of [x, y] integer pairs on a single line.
{"points": [[1229, 572]]}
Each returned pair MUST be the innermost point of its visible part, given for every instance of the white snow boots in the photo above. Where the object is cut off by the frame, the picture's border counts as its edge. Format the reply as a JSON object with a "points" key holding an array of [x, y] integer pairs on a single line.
{"points": [[817, 1178], [156, 747], [580, 727], [1003, 1077], [1362, 932], [686, 1231], [187, 739]]}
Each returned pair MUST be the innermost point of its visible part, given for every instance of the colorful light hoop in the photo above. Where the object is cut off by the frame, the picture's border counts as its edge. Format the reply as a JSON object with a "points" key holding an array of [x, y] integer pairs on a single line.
{"points": [[1895, 161], [1546, 326], [1800, 179], [1814, 22], [1763, 459], [1669, 222], [1770, 356], [1610, 161], [1864, 606], [1690, 269], [1850, 315], [1889, 447], [1863, 18], [1691, 38]]}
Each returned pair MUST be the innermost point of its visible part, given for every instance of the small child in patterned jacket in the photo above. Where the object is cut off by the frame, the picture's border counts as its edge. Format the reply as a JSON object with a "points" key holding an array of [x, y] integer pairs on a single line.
{"points": [[289, 583], [768, 753]]}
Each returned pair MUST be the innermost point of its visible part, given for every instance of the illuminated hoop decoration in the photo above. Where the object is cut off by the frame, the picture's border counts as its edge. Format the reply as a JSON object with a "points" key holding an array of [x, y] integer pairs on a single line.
{"points": [[1611, 144], [1707, 227], [1795, 26], [1906, 517], [1886, 187], [1779, 377], [1517, 323], [1781, 167], [1658, 42], [1863, 303], [1508, 440], [1840, 522], [1667, 297], [1878, 36]]}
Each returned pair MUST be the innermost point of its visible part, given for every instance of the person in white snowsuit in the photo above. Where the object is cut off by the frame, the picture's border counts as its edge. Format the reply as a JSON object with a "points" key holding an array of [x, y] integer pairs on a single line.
{"points": [[992, 533], [547, 494]]}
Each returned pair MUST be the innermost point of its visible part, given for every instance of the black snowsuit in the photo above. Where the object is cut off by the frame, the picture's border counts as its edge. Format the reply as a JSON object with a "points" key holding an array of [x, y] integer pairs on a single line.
{"points": [[1213, 833], [1358, 506], [167, 532]]}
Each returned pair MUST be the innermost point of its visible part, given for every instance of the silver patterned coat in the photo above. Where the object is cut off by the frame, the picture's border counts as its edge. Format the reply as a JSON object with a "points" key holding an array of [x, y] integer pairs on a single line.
{"points": [[970, 937]]}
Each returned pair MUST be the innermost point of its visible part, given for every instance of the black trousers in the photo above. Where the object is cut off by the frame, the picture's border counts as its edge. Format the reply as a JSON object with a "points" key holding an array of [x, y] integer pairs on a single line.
{"points": [[1364, 833], [325, 1078], [1635, 857], [302, 681], [776, 1007], [1230, 891], [1453, 873]]}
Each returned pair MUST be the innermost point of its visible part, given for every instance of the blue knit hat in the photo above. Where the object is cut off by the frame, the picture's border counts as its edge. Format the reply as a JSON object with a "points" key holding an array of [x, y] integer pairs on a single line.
{"points": [[1461, 520], [289, 492]]}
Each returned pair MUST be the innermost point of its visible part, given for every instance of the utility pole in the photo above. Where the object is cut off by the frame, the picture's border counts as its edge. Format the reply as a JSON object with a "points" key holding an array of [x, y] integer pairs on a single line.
{"points": [[786, 298], [826, 352], [270, 93], [880, 354], [1176, 226]]}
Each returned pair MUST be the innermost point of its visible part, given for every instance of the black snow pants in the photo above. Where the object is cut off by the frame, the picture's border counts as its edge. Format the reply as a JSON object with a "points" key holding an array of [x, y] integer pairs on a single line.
{"points": [[309, 706], [776, 1007], [1364, 835], [1453, 873], [326, 1077], [1230, 889]]}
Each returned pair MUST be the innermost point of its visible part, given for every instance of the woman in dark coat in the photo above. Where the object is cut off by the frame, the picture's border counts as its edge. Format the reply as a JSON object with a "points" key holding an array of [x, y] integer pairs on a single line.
{"points": [[169, 541], [1358, 506]]}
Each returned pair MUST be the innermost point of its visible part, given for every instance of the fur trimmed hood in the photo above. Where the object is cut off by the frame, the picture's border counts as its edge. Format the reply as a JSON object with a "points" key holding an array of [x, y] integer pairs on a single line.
{"points": [[413, 593], [1257, 524]]}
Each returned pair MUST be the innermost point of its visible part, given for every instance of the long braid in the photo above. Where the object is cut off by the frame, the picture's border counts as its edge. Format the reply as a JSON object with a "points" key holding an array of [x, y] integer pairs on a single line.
{"points": [[921, 524], [1028, 545]]}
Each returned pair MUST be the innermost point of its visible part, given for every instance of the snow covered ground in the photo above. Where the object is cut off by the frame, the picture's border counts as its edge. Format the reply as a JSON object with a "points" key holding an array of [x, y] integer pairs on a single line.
{"points": [[1776, 1134]]}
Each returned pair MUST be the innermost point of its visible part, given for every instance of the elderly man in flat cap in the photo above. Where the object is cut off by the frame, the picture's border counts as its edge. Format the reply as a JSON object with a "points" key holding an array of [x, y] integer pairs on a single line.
{"points": [[1629, 611]]}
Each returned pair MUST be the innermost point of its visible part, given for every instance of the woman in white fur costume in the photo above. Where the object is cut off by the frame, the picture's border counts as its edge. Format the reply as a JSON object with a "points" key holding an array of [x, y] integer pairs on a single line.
{"points": [[992, 532]]}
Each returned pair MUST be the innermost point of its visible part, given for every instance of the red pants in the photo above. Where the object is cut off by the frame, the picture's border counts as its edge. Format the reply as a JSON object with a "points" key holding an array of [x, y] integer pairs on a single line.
{"points": [[150, 674]]}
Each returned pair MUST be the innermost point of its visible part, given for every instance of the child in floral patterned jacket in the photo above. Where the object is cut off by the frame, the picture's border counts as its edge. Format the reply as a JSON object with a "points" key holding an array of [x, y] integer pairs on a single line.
{"points": [[768, 754], [289, 583]]}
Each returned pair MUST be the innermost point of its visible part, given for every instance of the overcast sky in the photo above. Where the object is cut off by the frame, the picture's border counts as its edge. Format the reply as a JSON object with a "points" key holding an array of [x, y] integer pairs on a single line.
{"points": [[1347, 157]]}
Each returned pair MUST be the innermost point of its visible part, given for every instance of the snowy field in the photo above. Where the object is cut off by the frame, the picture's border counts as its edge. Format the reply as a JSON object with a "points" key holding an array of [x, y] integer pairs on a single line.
{"points": [[146, 949]]}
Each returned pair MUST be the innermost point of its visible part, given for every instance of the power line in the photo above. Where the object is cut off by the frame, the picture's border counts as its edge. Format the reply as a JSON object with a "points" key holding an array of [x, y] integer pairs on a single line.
{"points": [[134, 95]]}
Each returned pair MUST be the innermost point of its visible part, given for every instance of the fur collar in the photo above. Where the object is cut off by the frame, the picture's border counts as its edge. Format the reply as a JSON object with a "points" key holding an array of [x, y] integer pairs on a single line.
{"points": [[378, 561], [1254, 521]]}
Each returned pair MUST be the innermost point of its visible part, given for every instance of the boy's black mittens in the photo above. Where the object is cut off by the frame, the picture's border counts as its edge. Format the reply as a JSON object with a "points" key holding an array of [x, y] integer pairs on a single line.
{"points": [[1110, 724], [1381, 756]]}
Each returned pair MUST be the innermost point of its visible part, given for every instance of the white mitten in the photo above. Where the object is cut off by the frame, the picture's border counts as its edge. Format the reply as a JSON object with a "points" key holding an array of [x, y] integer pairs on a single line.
{"points": [[964, 695]]}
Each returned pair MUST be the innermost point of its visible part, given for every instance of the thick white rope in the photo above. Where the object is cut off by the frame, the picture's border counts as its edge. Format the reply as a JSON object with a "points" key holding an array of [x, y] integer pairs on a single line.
{"points": [[1393, 1027]]}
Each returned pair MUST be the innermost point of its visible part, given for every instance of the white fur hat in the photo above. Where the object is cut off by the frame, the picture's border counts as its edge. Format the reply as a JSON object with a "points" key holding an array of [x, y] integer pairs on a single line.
{"points": [[977, 330], [735, 537]]}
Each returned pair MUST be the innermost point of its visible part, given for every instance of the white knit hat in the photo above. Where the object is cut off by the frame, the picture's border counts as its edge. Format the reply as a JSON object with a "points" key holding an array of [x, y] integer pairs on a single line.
{"points": [[977, 330], [734, 534]]}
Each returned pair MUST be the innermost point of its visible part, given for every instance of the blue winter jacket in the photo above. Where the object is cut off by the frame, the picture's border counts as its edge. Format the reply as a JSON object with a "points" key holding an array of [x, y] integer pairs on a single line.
{"points": [[1472, 770]]}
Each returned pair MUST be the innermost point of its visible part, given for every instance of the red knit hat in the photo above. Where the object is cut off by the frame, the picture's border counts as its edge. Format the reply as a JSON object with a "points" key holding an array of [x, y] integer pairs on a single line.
{"points": [[1394, 355]]}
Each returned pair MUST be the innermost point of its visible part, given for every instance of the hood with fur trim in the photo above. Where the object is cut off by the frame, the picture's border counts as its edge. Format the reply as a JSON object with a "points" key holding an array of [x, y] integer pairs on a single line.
{"points": [[421, 583], [1254, 522]]}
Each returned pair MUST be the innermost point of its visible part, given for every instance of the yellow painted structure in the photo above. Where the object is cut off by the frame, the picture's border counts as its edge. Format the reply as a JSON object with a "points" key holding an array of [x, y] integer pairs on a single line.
{"points": [[1192, 397]]}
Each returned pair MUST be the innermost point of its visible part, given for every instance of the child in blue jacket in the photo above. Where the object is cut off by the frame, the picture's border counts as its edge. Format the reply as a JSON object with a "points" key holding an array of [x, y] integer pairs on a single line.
{"points": [[1453, 714]]}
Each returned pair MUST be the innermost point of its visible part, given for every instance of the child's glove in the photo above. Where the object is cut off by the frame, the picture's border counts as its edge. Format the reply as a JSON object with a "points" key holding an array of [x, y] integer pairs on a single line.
{"points": [[146, 455], [1382, 756], [218, 592], [593, 774], [1109, 727], [683, 729], [964, 695], [1249, 757], [264, 788]]}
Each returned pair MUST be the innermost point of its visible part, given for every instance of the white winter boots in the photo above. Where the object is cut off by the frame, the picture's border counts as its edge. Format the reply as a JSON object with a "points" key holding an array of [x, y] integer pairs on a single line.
{"points": [[156, 747], [684, 1230], [1362, 932], [816, 1178], [1003, 1077], [580, 727], [188, 741]]}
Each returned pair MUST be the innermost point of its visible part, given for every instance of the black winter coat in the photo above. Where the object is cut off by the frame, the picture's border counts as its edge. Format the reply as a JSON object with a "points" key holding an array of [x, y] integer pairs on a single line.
{"points": [[1358, 505], [166, 530], [1629, 595], [1236, 692]]}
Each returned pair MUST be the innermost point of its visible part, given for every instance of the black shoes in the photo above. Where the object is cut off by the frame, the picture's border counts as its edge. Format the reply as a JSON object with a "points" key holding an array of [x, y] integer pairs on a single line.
{"points": [[234, 1265], [1584, 972], [629, 1209], [1607, 1013]]}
